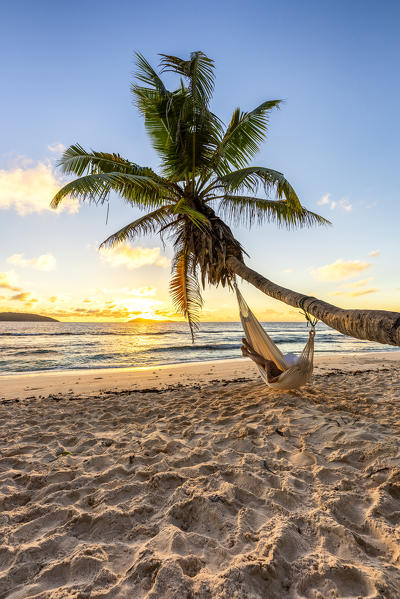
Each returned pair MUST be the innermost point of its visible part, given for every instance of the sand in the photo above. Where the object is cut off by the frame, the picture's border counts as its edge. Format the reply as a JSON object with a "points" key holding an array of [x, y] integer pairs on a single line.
{"points": [[199, 482]]}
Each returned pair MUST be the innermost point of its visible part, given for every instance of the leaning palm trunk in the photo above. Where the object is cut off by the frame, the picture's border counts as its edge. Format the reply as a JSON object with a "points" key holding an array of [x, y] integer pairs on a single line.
{"points": [[372, 325]]}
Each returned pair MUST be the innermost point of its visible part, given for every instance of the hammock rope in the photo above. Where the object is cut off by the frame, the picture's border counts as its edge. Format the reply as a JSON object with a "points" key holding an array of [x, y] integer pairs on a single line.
{"points": [[293, 375]]}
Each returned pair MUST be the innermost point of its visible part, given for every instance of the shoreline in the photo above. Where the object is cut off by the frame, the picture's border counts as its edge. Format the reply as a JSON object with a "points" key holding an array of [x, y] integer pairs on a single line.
{"points": [[182, 363], [41, 384]]}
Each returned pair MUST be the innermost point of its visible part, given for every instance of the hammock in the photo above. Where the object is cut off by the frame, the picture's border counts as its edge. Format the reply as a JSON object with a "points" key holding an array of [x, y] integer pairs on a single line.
{"points": [[293, 376]]}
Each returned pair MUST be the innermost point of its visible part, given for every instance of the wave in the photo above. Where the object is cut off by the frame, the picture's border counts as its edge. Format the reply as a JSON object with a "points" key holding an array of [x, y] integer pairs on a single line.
{"points": [[111, 356], [298, 339], [224, 331], [29, 352]]}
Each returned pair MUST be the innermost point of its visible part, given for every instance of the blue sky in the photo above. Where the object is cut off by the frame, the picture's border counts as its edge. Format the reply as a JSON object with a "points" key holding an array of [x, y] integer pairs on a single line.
{"points": [[66, 79]]}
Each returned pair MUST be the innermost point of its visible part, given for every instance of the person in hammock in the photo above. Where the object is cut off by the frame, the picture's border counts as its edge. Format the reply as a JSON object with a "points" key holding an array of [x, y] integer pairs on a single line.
{"points": [[272, 370]]}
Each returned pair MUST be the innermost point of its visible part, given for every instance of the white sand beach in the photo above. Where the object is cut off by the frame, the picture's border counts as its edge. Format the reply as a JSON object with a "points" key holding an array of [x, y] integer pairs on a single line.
{"points": [[197, 481]]}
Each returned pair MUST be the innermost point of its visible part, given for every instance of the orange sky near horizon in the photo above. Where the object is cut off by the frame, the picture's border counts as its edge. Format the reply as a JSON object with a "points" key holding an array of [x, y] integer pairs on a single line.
{"points": [[25, 285], [136, 283]]}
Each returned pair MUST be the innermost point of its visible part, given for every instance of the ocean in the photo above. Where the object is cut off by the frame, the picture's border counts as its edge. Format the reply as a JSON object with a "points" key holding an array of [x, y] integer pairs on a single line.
{"points": [[49, 346]]}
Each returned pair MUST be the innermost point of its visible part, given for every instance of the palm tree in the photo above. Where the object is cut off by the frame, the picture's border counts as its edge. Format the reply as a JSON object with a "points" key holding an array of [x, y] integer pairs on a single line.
{"points": [[205, 177]]}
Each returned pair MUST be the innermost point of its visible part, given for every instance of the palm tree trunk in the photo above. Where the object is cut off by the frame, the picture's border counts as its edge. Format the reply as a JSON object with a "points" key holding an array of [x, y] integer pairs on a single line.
{"points": [[372, 325]]}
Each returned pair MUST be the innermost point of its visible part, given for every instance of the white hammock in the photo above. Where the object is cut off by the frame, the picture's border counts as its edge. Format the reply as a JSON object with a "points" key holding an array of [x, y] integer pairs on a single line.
{"points": [[293, 376]]}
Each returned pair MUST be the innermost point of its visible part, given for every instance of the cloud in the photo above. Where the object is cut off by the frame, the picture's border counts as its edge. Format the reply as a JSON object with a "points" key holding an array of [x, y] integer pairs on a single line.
{"points": [[374, 253], [29, 189], [345, 204], [360, 283], [288, 270], [125, 255], [57, 148], [342, 203], [53, 299], [43, 262], [88, 313], [24, 296], [7, 281], [340, 270], [109, 311], [356, 293], [364, 292], [324, 200], [168, 314], [355, 289]]}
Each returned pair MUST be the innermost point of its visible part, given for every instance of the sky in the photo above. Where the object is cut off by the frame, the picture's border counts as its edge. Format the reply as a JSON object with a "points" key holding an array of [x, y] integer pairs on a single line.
{"points": [[66, 79]]}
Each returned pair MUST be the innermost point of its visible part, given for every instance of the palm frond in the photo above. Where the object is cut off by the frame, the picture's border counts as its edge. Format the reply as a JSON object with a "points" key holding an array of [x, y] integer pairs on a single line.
{"points": [[166, 122], [94, 188], [197, 218], [253, 177], [185, 288], [147, 75], [182, 128], [156, 110], [243, 136], [199, 70], [140, 190], [145, 225], [178, 131], [245, 210], [79, 161]]}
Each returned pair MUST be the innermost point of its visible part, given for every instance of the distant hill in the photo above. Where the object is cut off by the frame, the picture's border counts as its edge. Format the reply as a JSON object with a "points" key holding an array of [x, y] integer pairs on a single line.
{"points": [[24, 317]]}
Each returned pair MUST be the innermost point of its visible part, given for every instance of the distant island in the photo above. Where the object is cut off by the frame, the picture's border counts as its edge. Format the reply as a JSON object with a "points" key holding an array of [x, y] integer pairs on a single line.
{"points": [[24, 317]]}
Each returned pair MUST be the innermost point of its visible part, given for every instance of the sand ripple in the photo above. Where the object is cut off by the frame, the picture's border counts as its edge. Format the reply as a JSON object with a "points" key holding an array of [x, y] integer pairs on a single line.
{"points": [[225, 491]]}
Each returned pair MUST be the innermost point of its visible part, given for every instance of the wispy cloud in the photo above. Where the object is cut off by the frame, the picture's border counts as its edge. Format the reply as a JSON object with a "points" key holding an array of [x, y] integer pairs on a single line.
{"points": [[125, 255], [361, 283], [325, 199], [356, 293], [340, 270], [8, 280], [44, 262], [29, 188], [57, 148], [374, 253], [364, 291], [113, 310], [343, 203], [24, 296], [356, 288], [92, 313]]}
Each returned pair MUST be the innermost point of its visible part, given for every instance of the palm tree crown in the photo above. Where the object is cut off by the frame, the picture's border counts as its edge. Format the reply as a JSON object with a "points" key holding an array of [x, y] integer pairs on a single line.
{"points": [[205, 176]]}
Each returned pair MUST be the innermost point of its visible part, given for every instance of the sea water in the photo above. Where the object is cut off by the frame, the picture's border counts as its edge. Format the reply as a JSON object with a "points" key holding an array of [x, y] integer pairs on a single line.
{"points": [[43, 346]]}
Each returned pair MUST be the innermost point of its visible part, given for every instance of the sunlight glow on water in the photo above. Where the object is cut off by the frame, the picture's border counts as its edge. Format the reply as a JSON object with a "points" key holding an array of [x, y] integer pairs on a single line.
{"points": [[33, 346]]}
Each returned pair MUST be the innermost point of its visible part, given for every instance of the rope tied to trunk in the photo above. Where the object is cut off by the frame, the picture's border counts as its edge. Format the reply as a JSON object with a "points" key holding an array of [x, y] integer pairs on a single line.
{"points": [[311, 320]]}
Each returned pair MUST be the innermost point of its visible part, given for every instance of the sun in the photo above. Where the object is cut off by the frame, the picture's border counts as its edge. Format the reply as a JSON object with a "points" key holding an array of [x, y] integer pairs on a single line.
{"points": [[143, 307]]}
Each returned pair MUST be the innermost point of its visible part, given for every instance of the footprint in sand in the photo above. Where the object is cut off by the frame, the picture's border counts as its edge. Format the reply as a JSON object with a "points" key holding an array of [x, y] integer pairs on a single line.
{"points": [[303, 458], [338, 581]]}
